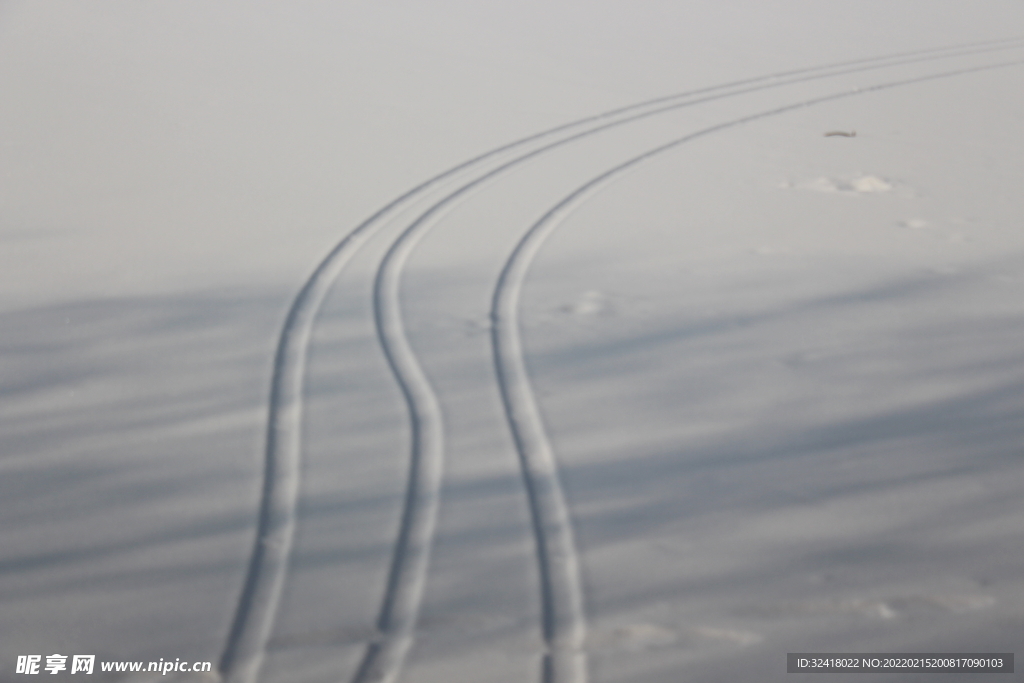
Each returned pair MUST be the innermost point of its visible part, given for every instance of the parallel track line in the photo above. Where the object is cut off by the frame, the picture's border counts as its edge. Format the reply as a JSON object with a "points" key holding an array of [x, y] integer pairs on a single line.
{"points": [[260, 595]]}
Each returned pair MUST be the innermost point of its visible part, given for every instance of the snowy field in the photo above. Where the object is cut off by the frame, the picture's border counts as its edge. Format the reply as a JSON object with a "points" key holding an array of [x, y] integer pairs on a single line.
{"points": [[505, 342]]}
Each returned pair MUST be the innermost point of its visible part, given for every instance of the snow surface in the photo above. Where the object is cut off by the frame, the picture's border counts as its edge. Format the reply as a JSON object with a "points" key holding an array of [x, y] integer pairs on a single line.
{"points": [[660, 396]]}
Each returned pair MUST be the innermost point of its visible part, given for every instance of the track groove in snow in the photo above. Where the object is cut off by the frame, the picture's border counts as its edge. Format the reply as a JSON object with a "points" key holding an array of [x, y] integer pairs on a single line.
{"points": [[407, 575], [563, 616], [261, 591]]}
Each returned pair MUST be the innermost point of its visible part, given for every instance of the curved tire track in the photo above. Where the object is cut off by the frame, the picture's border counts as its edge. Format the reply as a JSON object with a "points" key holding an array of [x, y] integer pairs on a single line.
{"points": [[561, 596], [563, 616], [253, 619]]}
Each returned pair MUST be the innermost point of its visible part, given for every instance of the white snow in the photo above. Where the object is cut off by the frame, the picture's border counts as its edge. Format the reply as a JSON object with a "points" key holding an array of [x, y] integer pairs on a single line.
{"points": [[692, 384]]}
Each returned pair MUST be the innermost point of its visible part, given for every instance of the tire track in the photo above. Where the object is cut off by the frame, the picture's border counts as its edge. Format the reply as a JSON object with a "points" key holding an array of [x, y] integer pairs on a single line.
{"points": [[257, 605], [400, 606], [407, 575], [563, 615], [260, 595]]}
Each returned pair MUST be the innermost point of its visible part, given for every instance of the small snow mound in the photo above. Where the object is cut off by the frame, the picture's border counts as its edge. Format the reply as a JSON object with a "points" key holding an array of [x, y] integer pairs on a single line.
{"points": [[964, 603], [474, 327], [820, 185], [870, 183], [742, 638], [863, 184], [877, 609], [640, 637], [590, 303]]}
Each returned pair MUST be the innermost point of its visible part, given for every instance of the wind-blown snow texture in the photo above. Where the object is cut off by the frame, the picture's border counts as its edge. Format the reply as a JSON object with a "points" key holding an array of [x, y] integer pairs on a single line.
{"points": [[510, 342]]}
